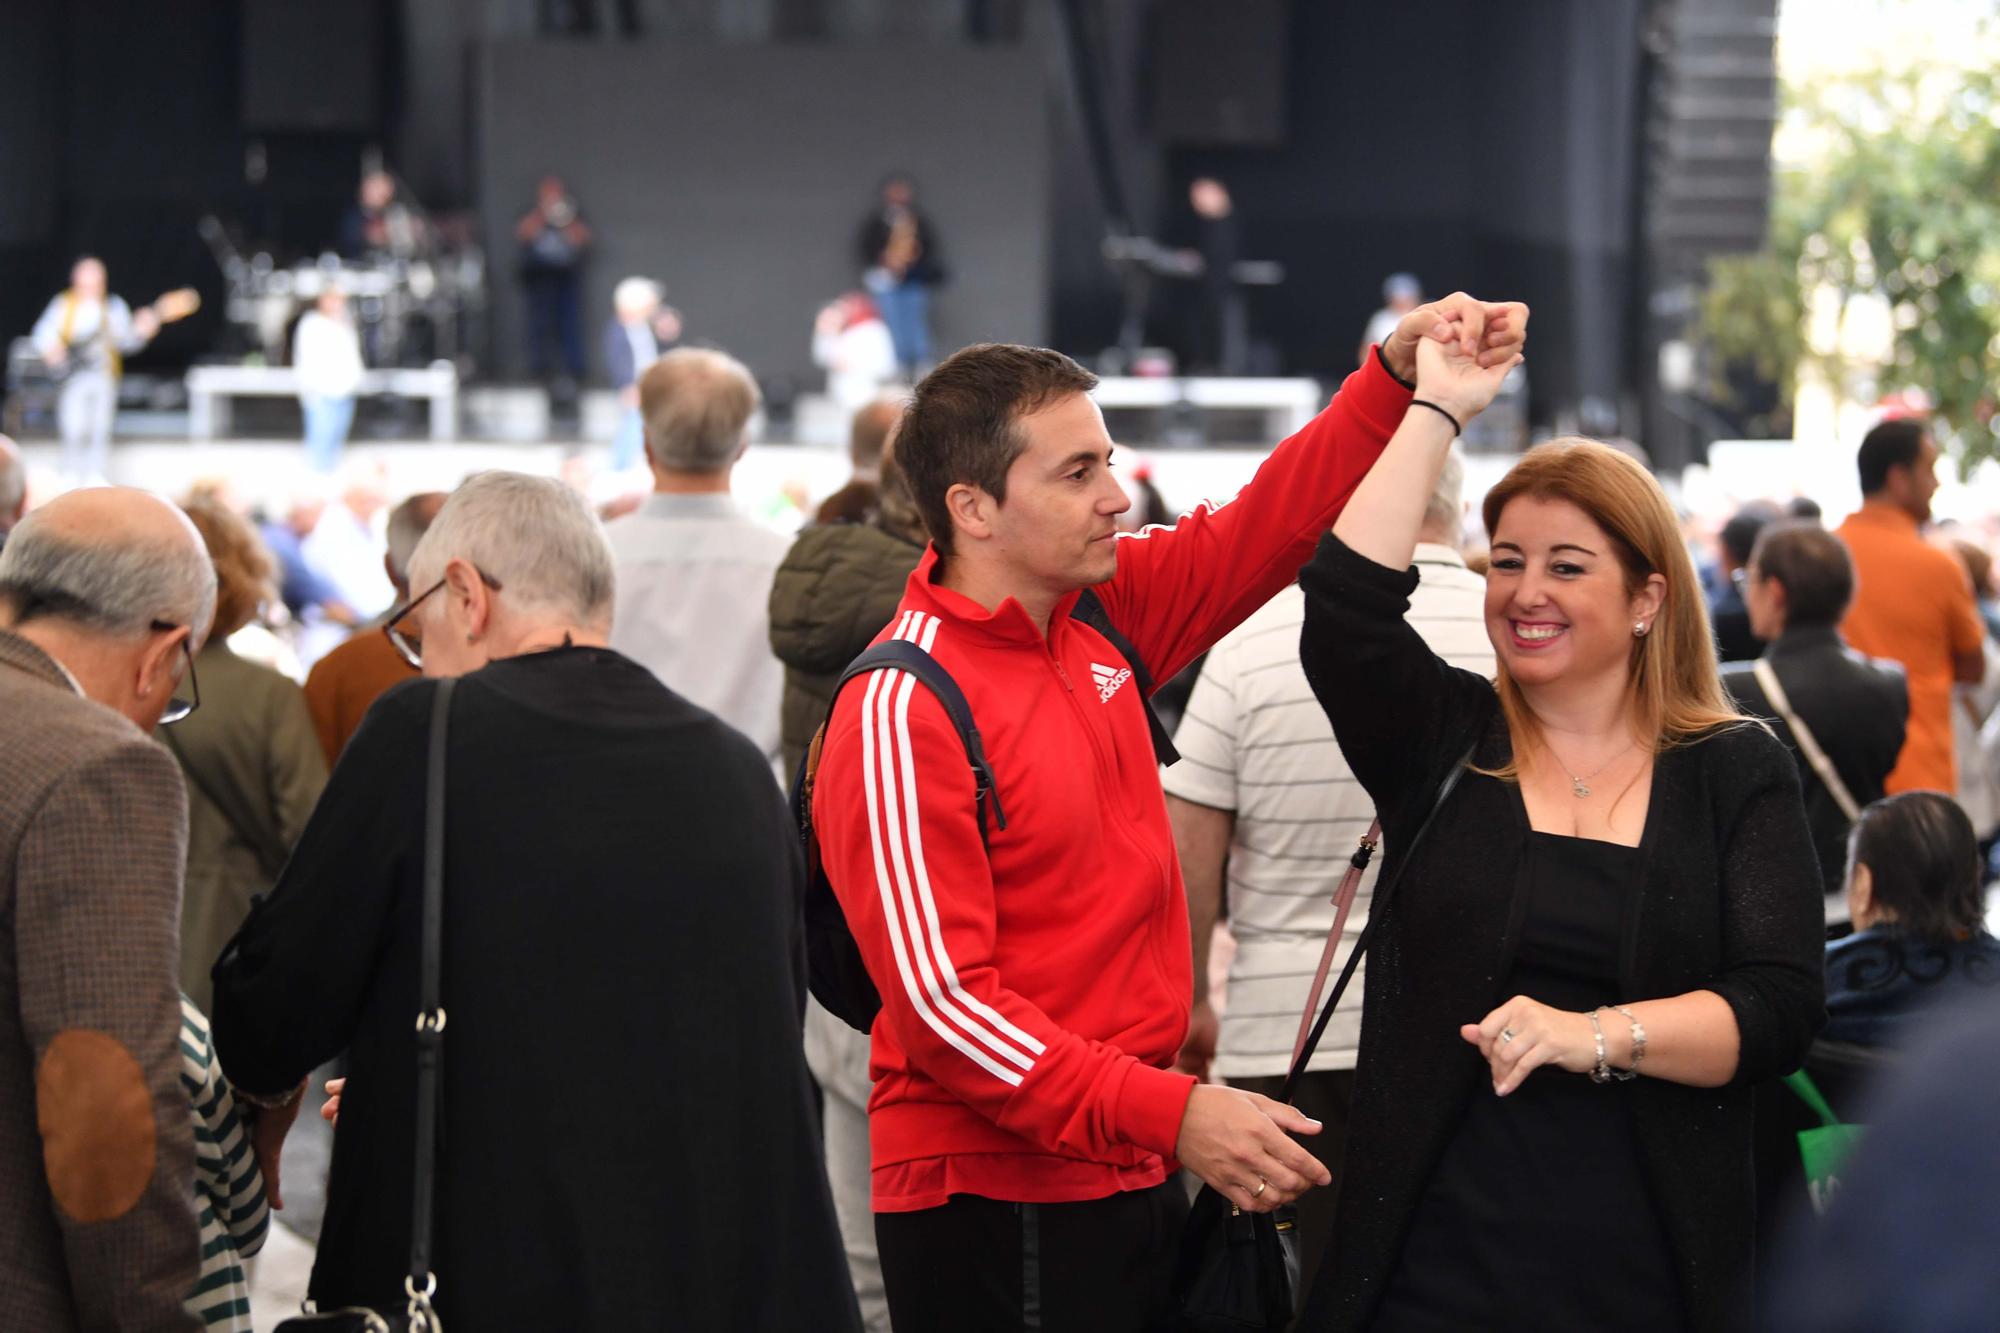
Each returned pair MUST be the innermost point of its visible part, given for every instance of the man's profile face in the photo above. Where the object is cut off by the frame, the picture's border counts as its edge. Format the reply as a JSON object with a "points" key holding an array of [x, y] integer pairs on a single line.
{"points": [[1922, 482], [1058, 525]]}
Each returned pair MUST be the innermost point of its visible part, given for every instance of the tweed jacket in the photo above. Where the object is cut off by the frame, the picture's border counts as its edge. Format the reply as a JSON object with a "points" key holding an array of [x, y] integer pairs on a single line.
{"points": [[1727, 900], [97, 1207]]}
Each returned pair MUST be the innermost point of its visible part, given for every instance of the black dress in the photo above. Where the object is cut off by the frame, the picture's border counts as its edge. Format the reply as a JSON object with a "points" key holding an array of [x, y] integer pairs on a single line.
{"points": [[1539, 1215]]}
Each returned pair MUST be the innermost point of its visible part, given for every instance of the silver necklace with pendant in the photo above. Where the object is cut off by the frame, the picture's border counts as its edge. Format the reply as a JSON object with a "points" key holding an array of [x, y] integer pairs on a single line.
{"points": [[1579, 787]]}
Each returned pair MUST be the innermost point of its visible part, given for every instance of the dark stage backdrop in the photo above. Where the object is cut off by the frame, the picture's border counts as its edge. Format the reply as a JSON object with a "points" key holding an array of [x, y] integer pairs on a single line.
{"points": [[740, 176]]}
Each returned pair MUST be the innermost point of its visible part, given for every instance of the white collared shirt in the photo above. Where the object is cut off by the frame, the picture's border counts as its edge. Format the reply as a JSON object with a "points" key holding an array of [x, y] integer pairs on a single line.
{"points": [[693, 607]]}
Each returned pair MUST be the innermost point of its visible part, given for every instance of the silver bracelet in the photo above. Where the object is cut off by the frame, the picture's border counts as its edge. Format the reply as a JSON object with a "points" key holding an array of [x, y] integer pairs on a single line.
{"points": [[1638, 1038], [1601, 1074]]}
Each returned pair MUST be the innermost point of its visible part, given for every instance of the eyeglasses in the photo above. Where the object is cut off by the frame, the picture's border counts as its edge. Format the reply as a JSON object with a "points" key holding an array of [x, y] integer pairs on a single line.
{"points": [[178, 708], [411, 646]]}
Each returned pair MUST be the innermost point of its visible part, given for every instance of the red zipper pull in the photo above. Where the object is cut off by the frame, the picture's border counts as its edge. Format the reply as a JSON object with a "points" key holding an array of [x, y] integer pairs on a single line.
{"points": [[1064, 674]]}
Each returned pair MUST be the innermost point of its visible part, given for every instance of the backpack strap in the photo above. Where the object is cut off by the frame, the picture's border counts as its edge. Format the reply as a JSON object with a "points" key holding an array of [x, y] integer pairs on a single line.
{"points": [[898, 655], [1090, 610]]}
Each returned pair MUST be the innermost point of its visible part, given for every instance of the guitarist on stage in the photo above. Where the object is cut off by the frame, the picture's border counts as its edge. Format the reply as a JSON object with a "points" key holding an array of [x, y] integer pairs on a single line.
{"points": [[83, 336]]}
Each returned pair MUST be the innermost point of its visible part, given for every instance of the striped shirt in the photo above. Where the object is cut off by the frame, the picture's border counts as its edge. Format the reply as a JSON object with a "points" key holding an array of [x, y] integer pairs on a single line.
{"points": [[1255, 742], [234, 1214]]}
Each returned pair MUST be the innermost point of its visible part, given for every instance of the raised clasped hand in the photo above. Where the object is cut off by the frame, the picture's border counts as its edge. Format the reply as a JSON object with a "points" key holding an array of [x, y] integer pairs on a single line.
{"points": [[1462, 374], [1522, 1035], [1492, 333]]}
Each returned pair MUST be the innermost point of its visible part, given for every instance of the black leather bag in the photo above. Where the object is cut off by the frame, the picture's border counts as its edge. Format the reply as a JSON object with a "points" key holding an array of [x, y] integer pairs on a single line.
{"points": [[416, 1316], [1237, 1271]]}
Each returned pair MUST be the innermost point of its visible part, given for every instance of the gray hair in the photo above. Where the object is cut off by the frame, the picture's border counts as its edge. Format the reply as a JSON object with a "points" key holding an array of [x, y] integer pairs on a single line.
{"points": [[408, 522], [1444, 512], [635, 294], [13, 480], [697, 404], [116, 586], [534, 536]]}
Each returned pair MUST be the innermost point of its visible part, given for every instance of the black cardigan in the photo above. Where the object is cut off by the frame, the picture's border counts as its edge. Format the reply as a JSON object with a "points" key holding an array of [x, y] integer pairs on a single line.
{"points": [[1728, 901], [628, 1139]]}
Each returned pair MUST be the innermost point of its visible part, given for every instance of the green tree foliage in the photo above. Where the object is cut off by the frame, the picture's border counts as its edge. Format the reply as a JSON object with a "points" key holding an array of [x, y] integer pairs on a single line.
{"points": [[1899, 198]]}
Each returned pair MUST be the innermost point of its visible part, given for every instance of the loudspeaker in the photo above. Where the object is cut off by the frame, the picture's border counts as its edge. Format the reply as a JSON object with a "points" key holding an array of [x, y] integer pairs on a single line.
{"points": [[1219, 72], [313, 65]]}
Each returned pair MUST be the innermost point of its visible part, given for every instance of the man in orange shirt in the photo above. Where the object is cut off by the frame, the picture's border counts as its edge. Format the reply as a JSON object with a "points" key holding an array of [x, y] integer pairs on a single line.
{"points": [[1913, 602], [347, 680]]}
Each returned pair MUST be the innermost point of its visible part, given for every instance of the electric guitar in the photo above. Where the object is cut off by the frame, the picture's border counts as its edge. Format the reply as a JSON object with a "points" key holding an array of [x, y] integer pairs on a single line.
{"points": [[171, 307]]}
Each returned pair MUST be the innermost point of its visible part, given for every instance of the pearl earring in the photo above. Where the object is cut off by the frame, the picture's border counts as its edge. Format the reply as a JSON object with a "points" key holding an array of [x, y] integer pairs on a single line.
{"points": [[1639, 630]]}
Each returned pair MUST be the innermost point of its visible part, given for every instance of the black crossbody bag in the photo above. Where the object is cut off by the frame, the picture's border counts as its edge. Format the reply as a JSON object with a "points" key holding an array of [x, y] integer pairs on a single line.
{"points": [[1237, 1271], [417, 1315]]}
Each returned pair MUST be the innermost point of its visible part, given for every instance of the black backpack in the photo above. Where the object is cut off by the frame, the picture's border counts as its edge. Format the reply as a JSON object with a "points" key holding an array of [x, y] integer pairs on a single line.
{"points": [[834, 970]]}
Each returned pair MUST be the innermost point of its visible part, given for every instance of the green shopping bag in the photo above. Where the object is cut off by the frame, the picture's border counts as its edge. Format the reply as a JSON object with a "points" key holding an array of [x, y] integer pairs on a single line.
{"points": [[1825, 1150]]}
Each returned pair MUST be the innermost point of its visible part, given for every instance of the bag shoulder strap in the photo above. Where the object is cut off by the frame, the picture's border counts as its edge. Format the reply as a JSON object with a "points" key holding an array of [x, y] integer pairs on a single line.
{"points": [[1375, 913], [430, 1013], [1343, 904], [1767, 676], [1090, 610]]}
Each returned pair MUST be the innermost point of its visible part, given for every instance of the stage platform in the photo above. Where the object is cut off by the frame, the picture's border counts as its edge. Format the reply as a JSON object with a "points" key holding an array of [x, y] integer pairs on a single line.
{"points": [[775, 480]]}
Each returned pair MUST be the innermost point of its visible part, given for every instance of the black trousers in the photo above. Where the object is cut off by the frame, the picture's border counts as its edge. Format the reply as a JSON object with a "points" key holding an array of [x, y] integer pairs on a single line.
{"points": [[1326, 1096], [983, 1266]]}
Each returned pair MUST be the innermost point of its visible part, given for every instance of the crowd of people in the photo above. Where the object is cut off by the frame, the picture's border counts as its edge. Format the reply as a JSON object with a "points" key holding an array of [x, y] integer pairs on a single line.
{"points": [[462, 825]]}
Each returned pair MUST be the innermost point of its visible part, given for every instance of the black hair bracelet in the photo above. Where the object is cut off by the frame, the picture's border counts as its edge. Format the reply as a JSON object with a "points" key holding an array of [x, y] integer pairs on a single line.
{"points": [[1456, 429]]}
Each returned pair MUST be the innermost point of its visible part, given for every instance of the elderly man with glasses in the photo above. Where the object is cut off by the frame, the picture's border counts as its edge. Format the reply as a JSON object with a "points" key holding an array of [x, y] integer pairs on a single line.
{"points": [[104, 594], [627, 1137]]}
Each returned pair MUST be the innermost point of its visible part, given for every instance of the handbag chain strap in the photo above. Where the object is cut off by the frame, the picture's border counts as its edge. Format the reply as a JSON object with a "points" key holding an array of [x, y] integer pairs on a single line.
{"points": [[421, 1284]]}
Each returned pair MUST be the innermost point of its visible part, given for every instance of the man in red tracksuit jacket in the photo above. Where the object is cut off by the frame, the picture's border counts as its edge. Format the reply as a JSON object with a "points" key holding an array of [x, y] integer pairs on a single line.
{"points": [[1025, 1122]]}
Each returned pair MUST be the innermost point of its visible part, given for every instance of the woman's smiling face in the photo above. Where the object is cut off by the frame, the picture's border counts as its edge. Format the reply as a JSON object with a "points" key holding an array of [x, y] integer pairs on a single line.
{"points": [[1559, 605]]}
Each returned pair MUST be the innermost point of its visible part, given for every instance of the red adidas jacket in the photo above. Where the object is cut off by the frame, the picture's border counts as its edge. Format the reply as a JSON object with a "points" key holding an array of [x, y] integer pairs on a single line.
{"points": [[1035, 992]]}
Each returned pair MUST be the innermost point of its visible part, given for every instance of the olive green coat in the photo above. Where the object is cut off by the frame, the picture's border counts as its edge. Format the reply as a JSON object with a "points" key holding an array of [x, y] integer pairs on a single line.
{"points": [[838, 586]]}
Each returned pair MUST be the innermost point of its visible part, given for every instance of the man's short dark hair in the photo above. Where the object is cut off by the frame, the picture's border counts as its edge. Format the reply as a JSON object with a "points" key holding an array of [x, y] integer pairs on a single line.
{"points": [[962, 424], [1804, 506], [1891, 444], [1813, 567], [1923, 861], [1739, 534]]}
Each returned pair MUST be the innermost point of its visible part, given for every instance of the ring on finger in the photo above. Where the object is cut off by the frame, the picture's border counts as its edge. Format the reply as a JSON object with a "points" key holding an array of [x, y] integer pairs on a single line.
{"points": [[1507, 1034], [1262, 1185]]}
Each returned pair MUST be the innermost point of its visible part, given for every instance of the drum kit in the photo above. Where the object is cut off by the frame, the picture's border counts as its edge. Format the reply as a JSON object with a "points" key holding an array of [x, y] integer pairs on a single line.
{"points": [[411, 308]]}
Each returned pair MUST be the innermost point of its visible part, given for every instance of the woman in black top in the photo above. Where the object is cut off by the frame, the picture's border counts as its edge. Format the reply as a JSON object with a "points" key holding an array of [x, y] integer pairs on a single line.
{"points": [[627, 1136], [1611, 930]]}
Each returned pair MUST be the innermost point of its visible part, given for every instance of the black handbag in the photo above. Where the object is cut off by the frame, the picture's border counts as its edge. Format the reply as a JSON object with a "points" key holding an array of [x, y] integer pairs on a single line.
{"points": [[416, 1316], [1237, 1271]]}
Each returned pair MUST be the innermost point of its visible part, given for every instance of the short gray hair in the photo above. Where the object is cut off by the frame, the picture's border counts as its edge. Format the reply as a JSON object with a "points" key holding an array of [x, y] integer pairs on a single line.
{"points": [[408, 522], [534, 536], [697, 404], [1444, 512], [115, 586], [635, 294]]}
